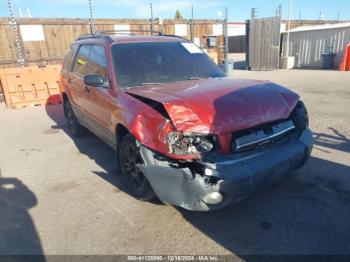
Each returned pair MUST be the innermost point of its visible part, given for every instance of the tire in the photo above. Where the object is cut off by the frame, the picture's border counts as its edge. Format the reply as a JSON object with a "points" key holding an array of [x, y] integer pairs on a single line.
{"points": [[136, 182], [76, 129]]}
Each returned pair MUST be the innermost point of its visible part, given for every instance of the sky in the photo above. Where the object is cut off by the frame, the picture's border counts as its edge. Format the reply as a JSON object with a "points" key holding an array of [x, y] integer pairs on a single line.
{"points": [[238, 10]]}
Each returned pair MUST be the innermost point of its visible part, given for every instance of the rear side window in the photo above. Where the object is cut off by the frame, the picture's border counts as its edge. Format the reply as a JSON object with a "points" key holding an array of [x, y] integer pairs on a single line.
{"points": [[81, 59], [67, 63], [97, 64]]}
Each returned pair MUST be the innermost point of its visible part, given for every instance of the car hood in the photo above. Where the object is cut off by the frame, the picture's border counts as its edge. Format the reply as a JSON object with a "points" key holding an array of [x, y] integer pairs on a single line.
{"points": [[220, 105]]}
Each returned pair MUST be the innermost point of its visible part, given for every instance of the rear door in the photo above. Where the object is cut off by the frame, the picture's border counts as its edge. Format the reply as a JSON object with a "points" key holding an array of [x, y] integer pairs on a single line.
{"points": [[67, 67], [76, 82]]}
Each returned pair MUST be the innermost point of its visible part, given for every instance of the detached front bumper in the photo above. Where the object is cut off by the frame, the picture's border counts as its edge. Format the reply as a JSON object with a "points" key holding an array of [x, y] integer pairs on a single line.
{"points": [[238, 176]]}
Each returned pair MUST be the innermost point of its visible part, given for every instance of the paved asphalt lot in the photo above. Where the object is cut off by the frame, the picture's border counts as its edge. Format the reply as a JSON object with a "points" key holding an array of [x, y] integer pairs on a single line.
{"points": [[62, 196]]}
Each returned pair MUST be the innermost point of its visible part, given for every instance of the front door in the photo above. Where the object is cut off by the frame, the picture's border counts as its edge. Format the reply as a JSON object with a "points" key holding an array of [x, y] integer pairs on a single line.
{"points": [[98, 99]]}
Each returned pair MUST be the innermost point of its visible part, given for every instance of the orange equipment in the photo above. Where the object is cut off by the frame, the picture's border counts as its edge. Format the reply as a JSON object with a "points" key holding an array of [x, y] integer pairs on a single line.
{"points": [[345, 65], [30, 85]]}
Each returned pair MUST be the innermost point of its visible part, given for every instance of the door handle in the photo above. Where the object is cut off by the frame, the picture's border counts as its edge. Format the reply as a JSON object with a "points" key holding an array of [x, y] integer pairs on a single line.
{"points": [[71, 81]]}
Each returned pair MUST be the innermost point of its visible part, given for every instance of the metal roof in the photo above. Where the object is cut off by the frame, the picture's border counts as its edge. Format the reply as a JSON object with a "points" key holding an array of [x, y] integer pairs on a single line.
{"points": [[319, 27]]}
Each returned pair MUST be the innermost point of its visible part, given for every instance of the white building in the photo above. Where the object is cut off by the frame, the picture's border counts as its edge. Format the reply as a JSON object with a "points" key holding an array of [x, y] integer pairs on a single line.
{"points": [[308, 43], [234, 28]]}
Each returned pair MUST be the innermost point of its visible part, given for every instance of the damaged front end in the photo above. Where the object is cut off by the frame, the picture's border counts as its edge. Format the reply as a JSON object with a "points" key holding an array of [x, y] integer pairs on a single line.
{"points": [[182, 143], [258, 156]]}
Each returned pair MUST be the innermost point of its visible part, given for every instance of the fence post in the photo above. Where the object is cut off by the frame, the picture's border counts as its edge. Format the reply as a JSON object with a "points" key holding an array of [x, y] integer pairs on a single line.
{"points": [[18, 41], [247, 32], [151, 19], [225, 39], [91, 20], [192, 23]]}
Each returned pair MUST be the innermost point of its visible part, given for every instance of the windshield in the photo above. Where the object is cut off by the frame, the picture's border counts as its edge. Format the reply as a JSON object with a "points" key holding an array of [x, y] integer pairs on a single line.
{"points": [[139, 64]]}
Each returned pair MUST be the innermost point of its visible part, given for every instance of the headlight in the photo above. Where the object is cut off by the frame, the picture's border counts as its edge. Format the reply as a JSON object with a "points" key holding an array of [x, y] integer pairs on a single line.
{"points": [[300, 117], [189, 143]]}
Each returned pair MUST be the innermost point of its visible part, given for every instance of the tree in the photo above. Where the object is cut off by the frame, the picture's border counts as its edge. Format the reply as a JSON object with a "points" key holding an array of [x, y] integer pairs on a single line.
{"points": [[178, 15]]}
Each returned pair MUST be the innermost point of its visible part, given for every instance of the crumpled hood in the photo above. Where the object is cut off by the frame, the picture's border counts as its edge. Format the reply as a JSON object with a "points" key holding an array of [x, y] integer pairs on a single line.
{"points": [[221, 105]]}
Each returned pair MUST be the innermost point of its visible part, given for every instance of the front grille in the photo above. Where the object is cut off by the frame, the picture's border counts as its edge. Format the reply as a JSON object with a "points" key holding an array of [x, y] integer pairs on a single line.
{"points": [[262, 136]]}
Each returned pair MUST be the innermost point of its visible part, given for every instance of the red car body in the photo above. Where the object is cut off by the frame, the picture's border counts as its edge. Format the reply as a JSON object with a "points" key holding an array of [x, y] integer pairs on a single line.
{"points": [[237, 105], [220, 107]]}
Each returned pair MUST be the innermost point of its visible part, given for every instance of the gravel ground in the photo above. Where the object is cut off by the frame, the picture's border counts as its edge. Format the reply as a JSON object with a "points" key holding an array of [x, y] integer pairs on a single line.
{"points": [[62, 196]]}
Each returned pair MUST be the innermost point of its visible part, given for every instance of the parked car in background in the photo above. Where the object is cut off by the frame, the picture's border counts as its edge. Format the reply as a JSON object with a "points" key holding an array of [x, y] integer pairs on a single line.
{"points": [[182, 131]]}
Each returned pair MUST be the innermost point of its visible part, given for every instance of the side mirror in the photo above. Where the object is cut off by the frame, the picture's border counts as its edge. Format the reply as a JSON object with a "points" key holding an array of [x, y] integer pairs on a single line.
{"points": [[94, 80]]}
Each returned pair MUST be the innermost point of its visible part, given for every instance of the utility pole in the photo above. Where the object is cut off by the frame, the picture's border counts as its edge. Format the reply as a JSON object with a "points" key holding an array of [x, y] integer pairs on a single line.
{"points": [[224, 27], [151, 19], [192, 23], [288, 29], [338, 16], [299, 21], [18, 41], [91, 20]]}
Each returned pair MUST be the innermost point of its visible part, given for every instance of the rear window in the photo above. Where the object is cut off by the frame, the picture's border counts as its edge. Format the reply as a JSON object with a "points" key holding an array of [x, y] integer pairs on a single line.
{"points": [[67, 62], [81, 59], [138, 64]]}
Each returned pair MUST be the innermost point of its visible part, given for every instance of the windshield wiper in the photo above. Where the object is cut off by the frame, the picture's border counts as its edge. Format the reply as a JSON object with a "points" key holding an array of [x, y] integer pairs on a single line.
{"points": [[151, 84], [197, 78], [142, 84]]}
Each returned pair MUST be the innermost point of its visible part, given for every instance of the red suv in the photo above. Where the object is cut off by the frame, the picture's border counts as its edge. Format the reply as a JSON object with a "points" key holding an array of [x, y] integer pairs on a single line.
{"points": [[182, 131]]}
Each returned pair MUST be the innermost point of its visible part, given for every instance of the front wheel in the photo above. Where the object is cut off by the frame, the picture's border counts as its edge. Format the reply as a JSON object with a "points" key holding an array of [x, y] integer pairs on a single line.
{"points": [[129, 158]]}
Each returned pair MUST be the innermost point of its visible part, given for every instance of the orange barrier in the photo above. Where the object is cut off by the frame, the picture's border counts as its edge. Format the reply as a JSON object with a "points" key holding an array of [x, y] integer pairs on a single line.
{"points": [[30, 86], [345, 65]]}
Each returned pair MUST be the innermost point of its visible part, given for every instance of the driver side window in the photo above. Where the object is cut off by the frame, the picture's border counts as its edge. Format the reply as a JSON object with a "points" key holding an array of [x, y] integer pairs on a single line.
{"points": [[82, 59], [97, 62]]}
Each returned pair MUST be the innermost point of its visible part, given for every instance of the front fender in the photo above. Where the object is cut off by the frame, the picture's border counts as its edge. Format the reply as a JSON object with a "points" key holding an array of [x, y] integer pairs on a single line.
{"points": [[147, 125]]}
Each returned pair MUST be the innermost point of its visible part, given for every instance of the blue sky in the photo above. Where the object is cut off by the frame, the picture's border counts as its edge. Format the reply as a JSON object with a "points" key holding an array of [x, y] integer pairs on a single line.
{"points": [[239, 10]]}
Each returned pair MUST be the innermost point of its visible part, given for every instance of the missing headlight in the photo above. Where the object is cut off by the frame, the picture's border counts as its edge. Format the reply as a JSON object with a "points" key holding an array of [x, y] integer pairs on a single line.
{"points": [[299, 116], [189, 143]]}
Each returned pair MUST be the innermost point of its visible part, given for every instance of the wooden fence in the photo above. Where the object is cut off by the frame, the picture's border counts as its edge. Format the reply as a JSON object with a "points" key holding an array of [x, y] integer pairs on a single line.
{"points": [[60, 33], [263, 43]]}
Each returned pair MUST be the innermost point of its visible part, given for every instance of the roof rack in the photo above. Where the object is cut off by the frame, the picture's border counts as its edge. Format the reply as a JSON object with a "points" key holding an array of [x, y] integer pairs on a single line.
{"points": [[106, 34], [88, 36], [177, 36], [127, 32]]}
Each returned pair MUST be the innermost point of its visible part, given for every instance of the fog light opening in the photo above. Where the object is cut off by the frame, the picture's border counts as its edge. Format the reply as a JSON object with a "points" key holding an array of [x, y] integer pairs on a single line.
{"points": [[210, 172], [213, 198]]}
